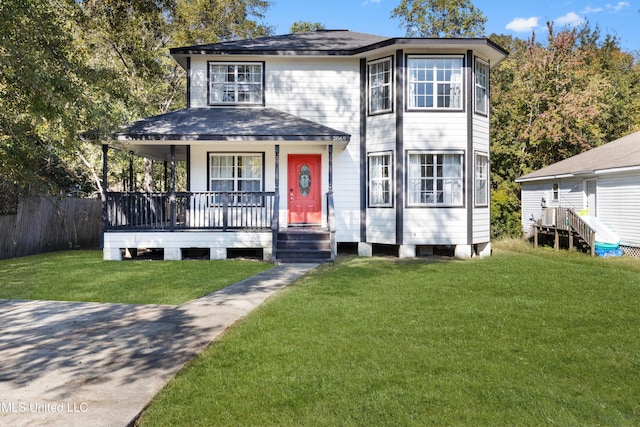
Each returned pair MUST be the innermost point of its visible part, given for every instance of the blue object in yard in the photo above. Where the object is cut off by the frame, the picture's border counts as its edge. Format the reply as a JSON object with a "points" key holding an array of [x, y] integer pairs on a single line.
{"points": [[604, 250]]}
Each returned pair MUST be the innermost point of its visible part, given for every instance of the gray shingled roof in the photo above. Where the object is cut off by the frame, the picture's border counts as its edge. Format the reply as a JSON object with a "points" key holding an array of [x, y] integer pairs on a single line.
{"points": [[331, 43], [230, 124], [334, 41], [621, 153]]}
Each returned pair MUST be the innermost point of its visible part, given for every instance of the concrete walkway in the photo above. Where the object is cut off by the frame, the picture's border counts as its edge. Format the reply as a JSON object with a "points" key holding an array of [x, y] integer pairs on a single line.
{"points": [[91, 364]]}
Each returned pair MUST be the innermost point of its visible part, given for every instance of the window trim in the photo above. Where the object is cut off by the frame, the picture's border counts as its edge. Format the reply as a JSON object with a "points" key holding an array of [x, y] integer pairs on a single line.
{"points": [[462, 179], [408, 82], [236, 63], [390, 178], [210, 154], [555, 191], [476, 87], [390, 84], [477, 155]]}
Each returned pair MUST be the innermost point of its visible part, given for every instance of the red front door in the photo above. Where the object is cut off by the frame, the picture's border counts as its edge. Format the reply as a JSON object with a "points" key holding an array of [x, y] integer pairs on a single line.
{"points": [[305, 188]]}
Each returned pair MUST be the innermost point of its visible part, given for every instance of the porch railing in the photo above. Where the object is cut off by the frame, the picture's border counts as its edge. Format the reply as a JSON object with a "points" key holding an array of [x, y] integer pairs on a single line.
{"points": [[215, 210]]}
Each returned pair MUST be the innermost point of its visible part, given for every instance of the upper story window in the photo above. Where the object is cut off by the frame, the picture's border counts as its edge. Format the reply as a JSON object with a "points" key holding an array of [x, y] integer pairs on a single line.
{"points": [[435, 82], [380, 87], [231, 83], [435, 179], [482, 87]]}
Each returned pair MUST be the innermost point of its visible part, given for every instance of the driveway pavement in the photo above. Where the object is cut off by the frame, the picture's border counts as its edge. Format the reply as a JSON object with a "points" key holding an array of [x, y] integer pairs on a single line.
{"points": [[93, 364]]}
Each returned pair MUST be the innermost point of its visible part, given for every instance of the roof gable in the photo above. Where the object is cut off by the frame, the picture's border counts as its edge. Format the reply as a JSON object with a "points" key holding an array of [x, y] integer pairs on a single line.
{"points": [[620, 153]]}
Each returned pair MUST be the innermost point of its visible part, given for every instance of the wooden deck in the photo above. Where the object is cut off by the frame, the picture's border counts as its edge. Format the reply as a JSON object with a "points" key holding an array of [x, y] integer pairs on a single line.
{"points": [[564, 224]]}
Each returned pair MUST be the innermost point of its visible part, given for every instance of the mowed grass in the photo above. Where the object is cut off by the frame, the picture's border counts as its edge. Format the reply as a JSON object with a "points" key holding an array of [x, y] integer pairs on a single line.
{"points": [[84, 276], [523, 338]]}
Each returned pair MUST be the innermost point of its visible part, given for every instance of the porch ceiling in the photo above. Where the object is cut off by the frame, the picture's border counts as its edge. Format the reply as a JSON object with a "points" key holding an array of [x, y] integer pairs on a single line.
{"points": [[153, 136]]}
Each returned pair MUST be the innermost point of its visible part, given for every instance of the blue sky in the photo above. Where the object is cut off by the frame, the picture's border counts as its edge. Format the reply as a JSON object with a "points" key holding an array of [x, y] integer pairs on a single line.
{"points": [[518, 18]]}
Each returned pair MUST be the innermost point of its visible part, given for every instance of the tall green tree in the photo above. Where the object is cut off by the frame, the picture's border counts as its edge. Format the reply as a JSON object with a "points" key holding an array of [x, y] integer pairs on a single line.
{"points": [[49, 92], [440, 18], [68, 66], [553, 100]]}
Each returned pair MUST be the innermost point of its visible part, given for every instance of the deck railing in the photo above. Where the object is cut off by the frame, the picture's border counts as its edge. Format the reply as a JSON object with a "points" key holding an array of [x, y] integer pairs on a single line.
{"points": [[214, 210], [567, 220]]}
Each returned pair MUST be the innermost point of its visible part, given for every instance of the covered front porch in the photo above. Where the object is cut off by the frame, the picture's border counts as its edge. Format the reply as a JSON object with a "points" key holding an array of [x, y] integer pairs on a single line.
{"points": [[203, 216]]}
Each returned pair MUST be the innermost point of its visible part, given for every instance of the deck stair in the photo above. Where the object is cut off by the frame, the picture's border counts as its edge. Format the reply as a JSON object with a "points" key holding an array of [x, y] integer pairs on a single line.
{"points": [[566, 222], [303, 244]]}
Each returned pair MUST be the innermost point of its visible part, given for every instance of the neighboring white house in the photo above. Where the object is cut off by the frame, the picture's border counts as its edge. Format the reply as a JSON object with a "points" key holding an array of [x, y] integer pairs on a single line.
{"points": [[603, 182], [374, 140]]}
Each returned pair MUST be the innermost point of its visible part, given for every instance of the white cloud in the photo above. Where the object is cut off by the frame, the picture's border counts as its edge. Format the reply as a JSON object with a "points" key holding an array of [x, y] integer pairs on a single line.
{"points": [[618, 6], [571, 19], [590, 9], [522, 25]]}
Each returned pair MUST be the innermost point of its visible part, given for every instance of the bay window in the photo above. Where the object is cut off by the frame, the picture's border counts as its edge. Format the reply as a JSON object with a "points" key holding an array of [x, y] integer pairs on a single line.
{"points": [[434, 179], [481, 179], [434, 82], [380, 86], [482, 86], [380, 180]]}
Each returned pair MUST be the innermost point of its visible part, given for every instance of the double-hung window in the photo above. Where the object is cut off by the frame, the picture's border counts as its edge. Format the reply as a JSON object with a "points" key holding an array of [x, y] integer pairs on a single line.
{"points": [[380, 86], [235, 83], [481, 179], [380, 180], [235, 173], [482, 86], [435, 179], [435, 82]]}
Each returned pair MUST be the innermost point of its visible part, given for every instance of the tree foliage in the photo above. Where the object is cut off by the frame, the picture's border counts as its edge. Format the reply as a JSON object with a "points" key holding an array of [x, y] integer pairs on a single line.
{"points": [[556, 99], [68, 66], [305, 26], [440, 18]]}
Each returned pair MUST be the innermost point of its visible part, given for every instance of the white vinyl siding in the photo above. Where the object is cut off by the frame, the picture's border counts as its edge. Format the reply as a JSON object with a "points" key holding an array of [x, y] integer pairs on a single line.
{"points": [[326, 92], [618, 200], [435, 83], [570, 195]]}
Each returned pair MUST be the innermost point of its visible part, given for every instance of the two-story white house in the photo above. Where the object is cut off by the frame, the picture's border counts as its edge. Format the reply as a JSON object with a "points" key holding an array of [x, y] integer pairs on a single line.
{"points": [[297, 143]]}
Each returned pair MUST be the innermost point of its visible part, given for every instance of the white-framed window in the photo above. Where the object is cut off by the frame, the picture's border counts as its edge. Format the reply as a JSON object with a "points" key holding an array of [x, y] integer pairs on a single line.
{"points": [[435, 179], [435, 82], [235, 172], [380, 86], [555, 193], [481, 179], [235, 83], [380, 179], [482, 86]]}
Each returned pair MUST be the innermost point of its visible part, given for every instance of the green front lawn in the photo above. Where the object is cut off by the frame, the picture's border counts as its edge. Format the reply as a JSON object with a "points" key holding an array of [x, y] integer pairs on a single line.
{"points": [[84, 276], [523, 338]]}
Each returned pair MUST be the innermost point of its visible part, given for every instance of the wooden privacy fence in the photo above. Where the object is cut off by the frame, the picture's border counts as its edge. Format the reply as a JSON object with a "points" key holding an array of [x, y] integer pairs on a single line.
{"points": [[45, 224]]}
